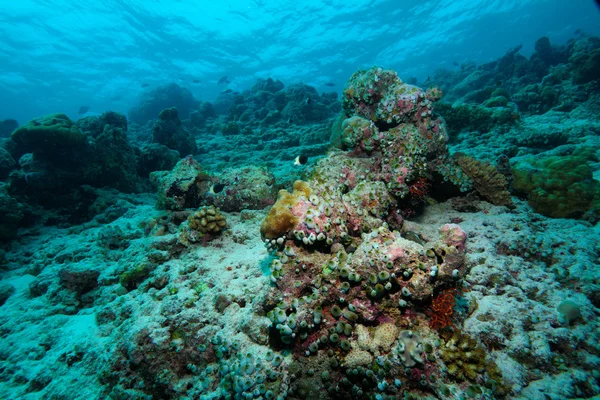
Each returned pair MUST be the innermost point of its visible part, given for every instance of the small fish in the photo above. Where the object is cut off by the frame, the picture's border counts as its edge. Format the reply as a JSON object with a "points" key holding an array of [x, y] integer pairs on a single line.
{"points": [[428, 79], [227, 91], [145, 84], [223, 80], [455, 64], [301, 160], [308, 100], [330, 84], [413, 237], [216, 188], [83, 109], [290, 120], [196, 81]]}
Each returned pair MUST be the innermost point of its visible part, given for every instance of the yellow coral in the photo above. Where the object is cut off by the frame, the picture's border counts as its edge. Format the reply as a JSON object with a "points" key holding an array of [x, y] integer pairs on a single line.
{"points": [[207, 220], [385, 335], [383, 338], [357, 357], [466, 360], [281, 218], [364, 337]]}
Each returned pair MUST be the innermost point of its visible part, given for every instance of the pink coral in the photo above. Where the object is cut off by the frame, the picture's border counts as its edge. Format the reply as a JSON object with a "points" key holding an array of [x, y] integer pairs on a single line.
{"points": [[453, 235]]}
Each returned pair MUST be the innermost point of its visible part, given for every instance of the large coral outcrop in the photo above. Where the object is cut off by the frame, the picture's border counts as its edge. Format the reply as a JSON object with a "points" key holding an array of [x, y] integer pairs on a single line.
{"points": [[154, 101], [48, 134], [168, 130], [349, 283]]}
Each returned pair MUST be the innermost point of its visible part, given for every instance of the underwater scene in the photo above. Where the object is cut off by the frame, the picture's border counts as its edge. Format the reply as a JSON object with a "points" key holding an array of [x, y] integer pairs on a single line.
{"points": [[277, 199]]}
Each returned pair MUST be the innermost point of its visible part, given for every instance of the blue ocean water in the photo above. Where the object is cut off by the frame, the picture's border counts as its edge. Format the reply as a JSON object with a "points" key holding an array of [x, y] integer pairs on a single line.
{"points": [[324, 200], [62, 55]]}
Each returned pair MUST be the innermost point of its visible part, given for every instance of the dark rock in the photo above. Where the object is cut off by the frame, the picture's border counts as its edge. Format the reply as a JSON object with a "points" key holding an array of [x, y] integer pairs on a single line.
{"points": [[7, 163], [156, 157], [11, 215], [6, 290], [186, 186], [39, 287], [153, 102], [79, 281], [168, 131], [198, 118]]}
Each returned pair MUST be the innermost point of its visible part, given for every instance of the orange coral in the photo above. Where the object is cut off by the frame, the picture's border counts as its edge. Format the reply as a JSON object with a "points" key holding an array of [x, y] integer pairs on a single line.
{"points": [[442, 308]]}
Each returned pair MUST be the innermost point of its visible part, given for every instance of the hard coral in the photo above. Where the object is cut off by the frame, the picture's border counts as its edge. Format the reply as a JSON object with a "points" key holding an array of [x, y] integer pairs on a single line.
{"points": [[466, 360], [383, 337], [207, 220]]}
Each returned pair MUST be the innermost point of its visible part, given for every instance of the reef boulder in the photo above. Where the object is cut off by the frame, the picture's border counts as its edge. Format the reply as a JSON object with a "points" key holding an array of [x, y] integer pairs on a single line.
{"points": [[169, 131], [185, 186], [48, 134], [167, 96]]}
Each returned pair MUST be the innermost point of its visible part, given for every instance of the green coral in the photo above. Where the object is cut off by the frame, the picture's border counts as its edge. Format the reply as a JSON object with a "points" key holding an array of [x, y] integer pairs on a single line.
{"points": [[132, 278], [559, 186], [497, 101], [54, 130]]}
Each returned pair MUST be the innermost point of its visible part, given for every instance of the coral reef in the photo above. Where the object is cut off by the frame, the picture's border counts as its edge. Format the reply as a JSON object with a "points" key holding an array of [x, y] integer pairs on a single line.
{"points": [[110, 160], [268, 102], [11, 214], [57, 160], [377, 281], [48, 134], [155, 157], [339, 269]]}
